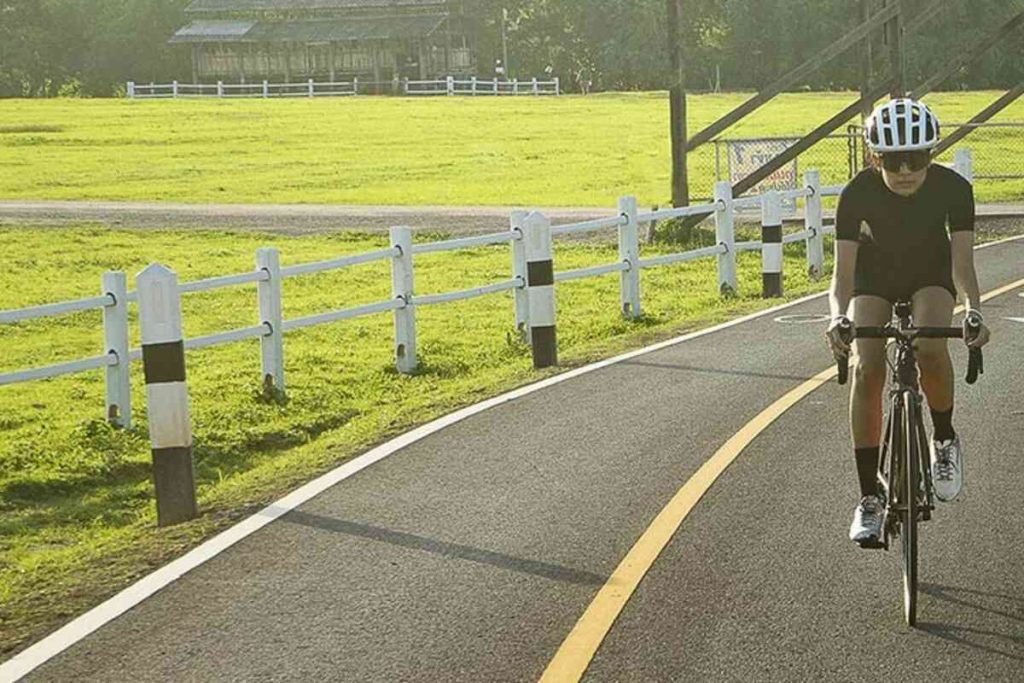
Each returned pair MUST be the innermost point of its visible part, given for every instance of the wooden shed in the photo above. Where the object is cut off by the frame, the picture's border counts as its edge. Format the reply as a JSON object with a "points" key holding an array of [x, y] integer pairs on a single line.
{"points": [[374, 40]]}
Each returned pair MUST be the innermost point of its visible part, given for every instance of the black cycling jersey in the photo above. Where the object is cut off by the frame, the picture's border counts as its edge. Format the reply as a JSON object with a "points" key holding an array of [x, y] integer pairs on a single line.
{"points": [[904, 245]]}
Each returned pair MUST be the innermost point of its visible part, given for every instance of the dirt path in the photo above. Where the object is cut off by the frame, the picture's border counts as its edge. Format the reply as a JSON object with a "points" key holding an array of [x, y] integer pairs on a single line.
{"points": [[300, 219]]}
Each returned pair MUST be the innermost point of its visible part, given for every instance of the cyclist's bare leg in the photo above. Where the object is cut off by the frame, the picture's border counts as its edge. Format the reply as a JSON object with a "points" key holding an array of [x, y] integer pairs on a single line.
{"points": [[869, 373], [933, 307]]}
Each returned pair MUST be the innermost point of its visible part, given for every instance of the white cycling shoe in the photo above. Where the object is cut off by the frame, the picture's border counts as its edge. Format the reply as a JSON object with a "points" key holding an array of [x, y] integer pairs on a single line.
{"points": [[867, 520], [947, 459]]}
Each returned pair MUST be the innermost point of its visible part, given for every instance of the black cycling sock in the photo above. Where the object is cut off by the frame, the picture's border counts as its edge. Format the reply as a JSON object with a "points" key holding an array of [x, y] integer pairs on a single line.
{"points": [[867, 469], [943, 425]]}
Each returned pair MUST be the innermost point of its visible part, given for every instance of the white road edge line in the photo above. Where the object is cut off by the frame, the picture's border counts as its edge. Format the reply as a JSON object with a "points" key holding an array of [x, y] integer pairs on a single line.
{"points": [[69, 634]]}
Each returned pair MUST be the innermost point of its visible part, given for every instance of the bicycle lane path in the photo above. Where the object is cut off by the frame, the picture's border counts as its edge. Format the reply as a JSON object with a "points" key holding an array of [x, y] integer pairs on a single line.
{"points": [[470, 554], [761, 584]]}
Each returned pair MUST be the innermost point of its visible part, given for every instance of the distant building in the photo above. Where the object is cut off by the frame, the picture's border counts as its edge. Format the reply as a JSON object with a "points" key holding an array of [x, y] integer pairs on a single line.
{"points": [[374, 40]]}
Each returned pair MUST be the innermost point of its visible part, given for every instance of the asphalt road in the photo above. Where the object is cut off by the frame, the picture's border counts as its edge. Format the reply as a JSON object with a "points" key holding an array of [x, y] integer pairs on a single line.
{"points": [[470, 554]]}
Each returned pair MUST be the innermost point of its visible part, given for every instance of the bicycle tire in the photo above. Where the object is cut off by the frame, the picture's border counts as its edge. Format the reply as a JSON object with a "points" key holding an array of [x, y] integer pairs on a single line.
{"points": [[908, 513]]}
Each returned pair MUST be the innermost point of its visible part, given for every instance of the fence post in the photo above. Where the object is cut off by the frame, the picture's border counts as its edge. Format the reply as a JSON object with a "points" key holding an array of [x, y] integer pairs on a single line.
{"points": [[558, 86], [771, 245], [813, 224], [725, 235], [540, 279], [163, 361], [131, 90], [963, 163], [310, 84], [402, 288], [536, 88], [450, 82], [355, 85], [473, 89], [519, 271], [515, 86], [220, 88], [115, 337], [269, 294], [174, 89], [405, 86], [495, 85], [266, 89], [629, 253]]}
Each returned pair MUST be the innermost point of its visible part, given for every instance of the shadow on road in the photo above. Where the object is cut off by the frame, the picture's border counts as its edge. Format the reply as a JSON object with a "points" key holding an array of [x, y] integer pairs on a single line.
{"points": [[716, 371], [453, 550], [972, 599]]}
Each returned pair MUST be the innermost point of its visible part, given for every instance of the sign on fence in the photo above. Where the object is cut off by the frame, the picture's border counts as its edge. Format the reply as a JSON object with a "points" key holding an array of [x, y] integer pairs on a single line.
{"points": [[746, 156]]}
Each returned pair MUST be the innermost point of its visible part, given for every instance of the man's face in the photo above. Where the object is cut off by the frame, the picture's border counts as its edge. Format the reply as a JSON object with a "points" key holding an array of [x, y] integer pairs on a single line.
{"points": [[903, 172]]}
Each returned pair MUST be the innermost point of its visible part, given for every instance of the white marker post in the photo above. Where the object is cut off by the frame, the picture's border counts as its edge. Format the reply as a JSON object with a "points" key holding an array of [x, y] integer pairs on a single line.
{"points": [[402, 287], [771, 245], [963, 163], [163, 360], [813, 224], [519, 271], [725, 235], [629, 253], [269, 294], [115, 337], [540, 279]]}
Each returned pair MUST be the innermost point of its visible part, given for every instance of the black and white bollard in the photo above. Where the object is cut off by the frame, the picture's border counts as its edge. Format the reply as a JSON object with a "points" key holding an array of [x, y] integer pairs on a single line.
{"points": [[771, 245], [540, 281], [163, 360]]}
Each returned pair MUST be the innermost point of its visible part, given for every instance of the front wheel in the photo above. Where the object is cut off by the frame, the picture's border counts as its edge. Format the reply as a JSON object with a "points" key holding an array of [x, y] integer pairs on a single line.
{"points": [[908, 513]]}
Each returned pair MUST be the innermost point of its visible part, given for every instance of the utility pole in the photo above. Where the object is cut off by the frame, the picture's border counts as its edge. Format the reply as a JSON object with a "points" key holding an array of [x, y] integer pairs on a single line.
{"points": [[866, 10], [894, 39], [504, 43], [677, 107]]}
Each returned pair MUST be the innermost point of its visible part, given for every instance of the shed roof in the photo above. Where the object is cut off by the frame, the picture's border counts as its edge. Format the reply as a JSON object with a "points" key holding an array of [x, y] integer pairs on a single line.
{"points": [[207, 6], [212, 31], [311, 31]]}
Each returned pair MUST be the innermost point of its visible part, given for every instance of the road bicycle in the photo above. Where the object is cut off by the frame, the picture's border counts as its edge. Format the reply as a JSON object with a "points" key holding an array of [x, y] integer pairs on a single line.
{"points": [[904, 471]]}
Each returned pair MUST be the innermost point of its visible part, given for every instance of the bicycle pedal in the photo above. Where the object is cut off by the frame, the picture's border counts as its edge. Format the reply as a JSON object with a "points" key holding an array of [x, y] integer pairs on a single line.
{"points": [[872, 544]]}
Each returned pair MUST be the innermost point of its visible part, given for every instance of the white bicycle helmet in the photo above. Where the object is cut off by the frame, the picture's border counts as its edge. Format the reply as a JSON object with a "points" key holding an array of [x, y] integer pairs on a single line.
{"points": [[901, 125]]}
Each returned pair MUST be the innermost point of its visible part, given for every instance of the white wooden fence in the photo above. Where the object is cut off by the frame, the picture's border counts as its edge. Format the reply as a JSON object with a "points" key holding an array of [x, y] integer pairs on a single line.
{"points": [[532, 281], [114, 297], [474, 86], [264, 89], [268, 275]]}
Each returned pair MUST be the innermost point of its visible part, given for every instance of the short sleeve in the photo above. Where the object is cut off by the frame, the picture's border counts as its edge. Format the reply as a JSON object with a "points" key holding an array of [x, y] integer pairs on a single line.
{"points": [[961, 212], [849, 214]]}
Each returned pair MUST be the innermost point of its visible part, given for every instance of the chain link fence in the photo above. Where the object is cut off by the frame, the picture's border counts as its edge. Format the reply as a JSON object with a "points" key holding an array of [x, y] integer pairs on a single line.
{"points": [[997, 150]]}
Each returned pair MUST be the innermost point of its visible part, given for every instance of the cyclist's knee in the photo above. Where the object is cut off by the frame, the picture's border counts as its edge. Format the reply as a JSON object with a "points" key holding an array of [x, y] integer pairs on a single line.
{"points": [[870, 370], [932, 352]]}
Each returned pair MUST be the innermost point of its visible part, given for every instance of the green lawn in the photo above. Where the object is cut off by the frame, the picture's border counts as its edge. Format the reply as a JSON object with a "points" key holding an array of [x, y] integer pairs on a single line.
{"points": [[567, 151], [76, 505]]}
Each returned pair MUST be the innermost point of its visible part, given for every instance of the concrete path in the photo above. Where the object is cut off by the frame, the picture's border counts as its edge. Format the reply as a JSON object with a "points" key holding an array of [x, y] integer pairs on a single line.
{"points": [[469, 555]]}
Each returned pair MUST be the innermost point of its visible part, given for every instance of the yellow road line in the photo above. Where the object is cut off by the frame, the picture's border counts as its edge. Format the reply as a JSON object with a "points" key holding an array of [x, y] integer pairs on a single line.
{"points": [[574, 656]]}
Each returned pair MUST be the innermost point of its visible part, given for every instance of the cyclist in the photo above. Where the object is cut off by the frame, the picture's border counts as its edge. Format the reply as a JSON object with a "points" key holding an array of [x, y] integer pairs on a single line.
{"points": [[892, 244]]}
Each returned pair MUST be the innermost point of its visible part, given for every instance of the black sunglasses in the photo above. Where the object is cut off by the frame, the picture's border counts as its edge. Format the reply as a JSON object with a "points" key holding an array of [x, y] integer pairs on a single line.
{"points": [[914, 161]]}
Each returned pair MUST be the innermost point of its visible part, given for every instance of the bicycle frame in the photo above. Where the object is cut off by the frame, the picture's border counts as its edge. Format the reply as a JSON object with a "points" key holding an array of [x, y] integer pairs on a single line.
{"points": [[904, 471]]}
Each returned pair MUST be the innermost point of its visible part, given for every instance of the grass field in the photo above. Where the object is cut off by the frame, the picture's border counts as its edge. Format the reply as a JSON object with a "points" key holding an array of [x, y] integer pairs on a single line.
{"points": [[77, 508], [567, 151]]}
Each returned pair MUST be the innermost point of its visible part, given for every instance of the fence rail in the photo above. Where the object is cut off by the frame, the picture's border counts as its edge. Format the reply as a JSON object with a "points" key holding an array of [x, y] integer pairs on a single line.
{"points": [[530, 238], [449, 86]]}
